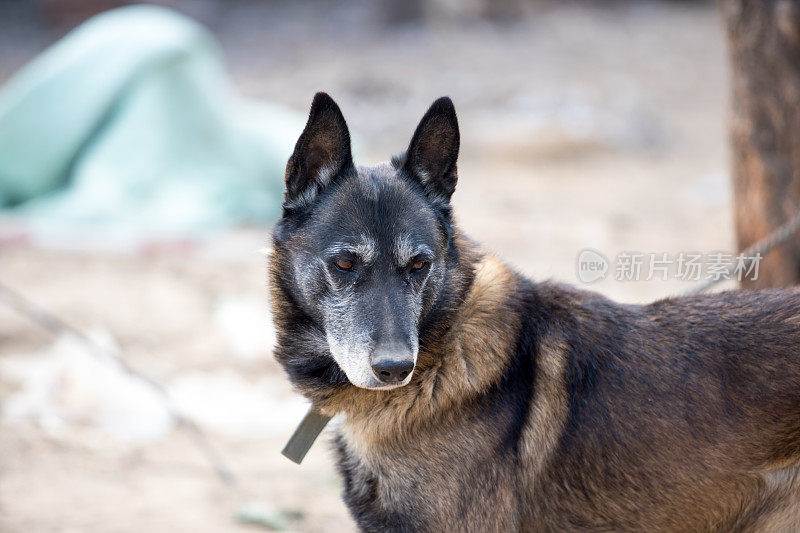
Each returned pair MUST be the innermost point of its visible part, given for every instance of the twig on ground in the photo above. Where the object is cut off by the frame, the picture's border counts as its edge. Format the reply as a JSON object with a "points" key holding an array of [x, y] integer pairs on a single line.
{"points": [[56, 325]]}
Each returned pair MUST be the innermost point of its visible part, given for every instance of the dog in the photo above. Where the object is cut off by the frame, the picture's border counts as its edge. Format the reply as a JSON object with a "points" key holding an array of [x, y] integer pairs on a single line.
{"points": [[471, 398]]}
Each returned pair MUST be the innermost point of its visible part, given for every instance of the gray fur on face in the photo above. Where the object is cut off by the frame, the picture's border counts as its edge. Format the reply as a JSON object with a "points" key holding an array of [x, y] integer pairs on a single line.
{"points": [[348, 331], [351, 345], [380, 223], [365, 249], [348, 326], [349, 340], [405, 250]]}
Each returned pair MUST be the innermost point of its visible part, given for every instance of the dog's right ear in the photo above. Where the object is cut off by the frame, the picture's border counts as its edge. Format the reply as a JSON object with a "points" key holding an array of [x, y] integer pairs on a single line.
{"points": [[321, 154]]}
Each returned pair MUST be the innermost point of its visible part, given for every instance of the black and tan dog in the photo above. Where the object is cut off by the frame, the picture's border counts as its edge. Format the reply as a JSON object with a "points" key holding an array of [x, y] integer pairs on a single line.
{"points": [[473, 399]]}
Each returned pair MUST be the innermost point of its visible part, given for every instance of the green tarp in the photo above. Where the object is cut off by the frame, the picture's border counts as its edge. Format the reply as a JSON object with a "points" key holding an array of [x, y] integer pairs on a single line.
{"points": [[130, 122]]}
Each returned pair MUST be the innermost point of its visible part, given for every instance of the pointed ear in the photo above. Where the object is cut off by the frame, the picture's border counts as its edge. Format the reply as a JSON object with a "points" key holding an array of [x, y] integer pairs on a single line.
{"points": [[321, 154], [431, 157]]}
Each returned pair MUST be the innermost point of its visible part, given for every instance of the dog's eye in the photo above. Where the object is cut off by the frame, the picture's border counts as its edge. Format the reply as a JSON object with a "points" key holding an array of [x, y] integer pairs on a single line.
{"points": [[344, 264], [418, 265]]}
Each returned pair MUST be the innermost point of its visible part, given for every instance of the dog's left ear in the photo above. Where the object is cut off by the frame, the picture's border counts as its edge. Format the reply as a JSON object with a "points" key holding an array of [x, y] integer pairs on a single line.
{"points": [[321, 154], [431, 157]]}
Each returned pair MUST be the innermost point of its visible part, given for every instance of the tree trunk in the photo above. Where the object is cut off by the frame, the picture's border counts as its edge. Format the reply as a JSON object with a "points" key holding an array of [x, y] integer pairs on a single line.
{"points": [[764, 43]]}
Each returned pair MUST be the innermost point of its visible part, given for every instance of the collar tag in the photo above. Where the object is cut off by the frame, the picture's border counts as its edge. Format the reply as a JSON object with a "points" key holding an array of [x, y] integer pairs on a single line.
{"points": [[305, 435]]}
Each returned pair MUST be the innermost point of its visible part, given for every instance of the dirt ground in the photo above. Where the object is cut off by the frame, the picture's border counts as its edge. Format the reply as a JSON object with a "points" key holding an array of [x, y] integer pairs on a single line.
{"points": [[583, 125]]}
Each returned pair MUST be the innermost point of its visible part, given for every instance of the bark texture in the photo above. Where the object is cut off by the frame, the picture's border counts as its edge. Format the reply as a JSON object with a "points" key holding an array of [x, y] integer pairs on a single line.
{"points": [[764, 43]]}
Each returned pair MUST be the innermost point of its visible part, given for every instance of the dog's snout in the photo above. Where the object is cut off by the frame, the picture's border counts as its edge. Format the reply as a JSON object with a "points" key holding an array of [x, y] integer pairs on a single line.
{"points": [[392, 364]]}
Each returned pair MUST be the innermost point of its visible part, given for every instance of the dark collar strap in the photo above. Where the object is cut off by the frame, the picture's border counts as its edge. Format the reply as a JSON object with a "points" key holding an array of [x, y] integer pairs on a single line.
{"points": [[305, 435]]}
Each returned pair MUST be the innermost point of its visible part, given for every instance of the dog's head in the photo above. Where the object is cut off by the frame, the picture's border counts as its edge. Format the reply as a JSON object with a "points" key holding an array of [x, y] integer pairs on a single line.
{"points": [[361, 254]]}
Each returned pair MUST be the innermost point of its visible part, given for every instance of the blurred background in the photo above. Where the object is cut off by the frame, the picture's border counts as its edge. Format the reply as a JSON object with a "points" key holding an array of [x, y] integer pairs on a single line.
{"points": [[141, 162]]}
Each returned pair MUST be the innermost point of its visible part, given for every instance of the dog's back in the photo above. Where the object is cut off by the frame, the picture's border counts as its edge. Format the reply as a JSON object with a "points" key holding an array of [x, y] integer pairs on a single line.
{"points": [[682, 415]]}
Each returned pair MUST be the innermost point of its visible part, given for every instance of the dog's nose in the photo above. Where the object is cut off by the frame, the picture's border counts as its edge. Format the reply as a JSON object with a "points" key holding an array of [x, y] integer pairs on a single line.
{"points": [[392, 364], [391, 370]]}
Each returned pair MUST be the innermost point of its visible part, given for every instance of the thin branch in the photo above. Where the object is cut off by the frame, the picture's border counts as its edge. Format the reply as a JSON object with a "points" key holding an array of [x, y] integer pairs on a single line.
{"points": [[56, 325]]}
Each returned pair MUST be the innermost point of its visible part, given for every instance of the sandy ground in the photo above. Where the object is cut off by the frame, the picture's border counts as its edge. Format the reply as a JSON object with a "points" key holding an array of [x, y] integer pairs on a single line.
{"points": [[581, 127]]}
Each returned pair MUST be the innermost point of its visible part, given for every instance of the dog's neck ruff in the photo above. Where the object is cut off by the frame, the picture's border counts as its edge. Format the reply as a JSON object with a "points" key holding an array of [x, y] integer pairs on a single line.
{"points": [[465, 361]]}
